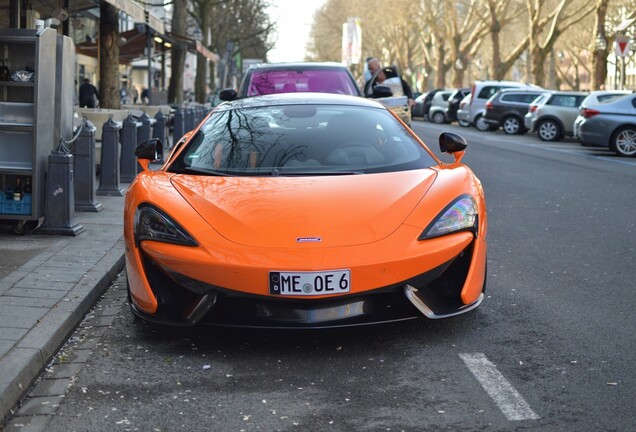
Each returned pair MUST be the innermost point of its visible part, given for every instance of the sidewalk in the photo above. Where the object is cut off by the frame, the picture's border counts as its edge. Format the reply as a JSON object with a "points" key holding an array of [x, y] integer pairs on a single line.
{"points": [[43, 300]]}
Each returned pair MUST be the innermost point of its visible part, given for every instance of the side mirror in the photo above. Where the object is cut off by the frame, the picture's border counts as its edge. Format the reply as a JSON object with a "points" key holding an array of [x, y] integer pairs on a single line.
{"points": [[149, 151], [228, 94], [453, 144], [381, 91]]}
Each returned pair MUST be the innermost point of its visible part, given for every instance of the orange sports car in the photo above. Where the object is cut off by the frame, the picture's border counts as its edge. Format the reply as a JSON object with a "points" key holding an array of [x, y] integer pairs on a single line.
{"points": [[304, 210]]}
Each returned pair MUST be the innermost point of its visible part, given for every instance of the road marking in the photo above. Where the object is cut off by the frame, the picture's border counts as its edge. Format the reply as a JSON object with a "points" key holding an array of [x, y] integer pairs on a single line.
{"points": [[509, 401]]}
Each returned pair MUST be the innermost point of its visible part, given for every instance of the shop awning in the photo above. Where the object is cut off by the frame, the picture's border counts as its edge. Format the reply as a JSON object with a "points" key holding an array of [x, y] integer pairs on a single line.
{"points": [[134, 44]]}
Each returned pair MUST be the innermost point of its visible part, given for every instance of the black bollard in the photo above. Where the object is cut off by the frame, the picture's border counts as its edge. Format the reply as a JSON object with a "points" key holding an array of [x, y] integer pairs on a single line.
{"points": [[188, 119], [59, 202], [84, 170], [128, 160], [109, 172], [159, 131], [178, 126], [144, 131]]}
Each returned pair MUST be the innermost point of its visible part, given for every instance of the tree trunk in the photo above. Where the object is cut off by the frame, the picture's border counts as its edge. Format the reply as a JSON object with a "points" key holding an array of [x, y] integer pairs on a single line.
{"points": [[200, 83], [175, 89], [109, 82], [440, 72], [599, 53]]}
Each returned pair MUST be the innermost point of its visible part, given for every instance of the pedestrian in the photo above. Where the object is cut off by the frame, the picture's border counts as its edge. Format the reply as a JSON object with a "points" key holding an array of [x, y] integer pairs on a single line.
{"points": [[144, 96], [88, 95], [374, 66]]}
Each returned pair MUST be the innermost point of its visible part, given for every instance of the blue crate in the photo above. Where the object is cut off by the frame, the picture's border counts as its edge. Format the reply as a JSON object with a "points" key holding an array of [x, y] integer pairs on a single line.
{"points": [[9, 206]]}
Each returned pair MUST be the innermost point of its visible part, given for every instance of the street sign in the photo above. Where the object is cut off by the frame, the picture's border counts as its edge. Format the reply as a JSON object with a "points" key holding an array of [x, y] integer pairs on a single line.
{"points": [[621, 46]]}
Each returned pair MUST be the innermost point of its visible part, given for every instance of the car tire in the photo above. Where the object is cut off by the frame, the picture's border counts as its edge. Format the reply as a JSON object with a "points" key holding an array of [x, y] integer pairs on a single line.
{"points": [[623, 142], [438, 118], [511, 125], [549, 130], [463, 123], [481, 125]]}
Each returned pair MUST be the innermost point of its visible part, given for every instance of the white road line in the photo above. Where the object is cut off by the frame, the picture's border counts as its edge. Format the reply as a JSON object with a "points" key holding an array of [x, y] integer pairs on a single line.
{"points": [[509, 401]]}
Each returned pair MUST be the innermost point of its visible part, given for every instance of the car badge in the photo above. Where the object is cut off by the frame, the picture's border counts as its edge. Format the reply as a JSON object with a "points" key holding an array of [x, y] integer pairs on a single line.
{"points": [[308, 239]]}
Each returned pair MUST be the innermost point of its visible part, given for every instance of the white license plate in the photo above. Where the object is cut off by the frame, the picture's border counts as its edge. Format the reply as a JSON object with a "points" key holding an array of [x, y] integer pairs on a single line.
{"points": [[310, 283]]}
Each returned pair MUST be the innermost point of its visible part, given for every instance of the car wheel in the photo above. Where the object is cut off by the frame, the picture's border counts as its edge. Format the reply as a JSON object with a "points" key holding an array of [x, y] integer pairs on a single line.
{"points": [[438, 118], [480, 124], [511, 125], [463, 123], [549, 130], [623, 143]]}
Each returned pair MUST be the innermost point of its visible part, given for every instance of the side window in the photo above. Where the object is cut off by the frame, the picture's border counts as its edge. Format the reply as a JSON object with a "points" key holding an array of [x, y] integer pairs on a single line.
{"points": [[530, 97], [486, 92], [634, 102]]}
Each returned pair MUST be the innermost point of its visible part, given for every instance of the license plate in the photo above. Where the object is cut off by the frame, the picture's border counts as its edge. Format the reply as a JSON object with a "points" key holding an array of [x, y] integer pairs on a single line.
{"points": [[310, 283]]}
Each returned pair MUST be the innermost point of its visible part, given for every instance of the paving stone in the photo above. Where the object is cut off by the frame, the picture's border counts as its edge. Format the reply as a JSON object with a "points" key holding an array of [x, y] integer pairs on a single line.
{"points": [[13, 333], [51, 387], [36, 423], [20, 317], [39, 406], [28, 301], [63, 370], [35, 293]]}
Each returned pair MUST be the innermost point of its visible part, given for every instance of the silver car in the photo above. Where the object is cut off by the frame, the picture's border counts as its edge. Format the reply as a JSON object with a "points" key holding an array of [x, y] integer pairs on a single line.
{"points": [[463, 113], [611, 124], [594, 98], [552, 117], [436, 113]]}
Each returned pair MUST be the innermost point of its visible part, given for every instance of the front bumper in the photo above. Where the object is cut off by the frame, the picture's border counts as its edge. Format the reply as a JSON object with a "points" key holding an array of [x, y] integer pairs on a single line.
{"points": [[436, 293]]}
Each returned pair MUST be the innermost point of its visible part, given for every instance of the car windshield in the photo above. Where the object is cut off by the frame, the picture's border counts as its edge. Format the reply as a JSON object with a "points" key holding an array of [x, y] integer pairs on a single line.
{"points": [[264, 82], [301, 139]]}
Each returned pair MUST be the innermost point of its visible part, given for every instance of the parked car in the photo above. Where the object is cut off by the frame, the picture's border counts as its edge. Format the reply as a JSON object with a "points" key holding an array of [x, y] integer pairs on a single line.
{"points": [[552, 117], [610, 124], [453, 103], [271, 78], [283, 211], [594, 98], [418, 108], [481, 92], [439, 103], [507, 108], [463, 113], [428, 101]]}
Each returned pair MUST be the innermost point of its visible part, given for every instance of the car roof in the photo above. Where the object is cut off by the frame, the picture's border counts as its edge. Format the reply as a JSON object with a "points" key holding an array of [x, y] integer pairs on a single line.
{"points": [[297, 65], [300, 98]]}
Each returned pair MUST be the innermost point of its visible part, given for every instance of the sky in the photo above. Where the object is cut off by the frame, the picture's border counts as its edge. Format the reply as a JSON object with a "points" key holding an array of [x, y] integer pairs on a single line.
{"points": [[293, 18]]}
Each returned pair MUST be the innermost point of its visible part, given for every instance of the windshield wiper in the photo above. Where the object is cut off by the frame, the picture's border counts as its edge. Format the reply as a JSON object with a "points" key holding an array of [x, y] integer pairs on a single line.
{"points": [[207, 171], [276, 173]]}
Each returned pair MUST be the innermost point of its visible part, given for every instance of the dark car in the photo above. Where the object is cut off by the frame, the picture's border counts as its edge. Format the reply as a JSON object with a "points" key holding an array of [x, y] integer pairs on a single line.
{"points": [[453, 103], [418, 108], [272, 78], [507, 108]]}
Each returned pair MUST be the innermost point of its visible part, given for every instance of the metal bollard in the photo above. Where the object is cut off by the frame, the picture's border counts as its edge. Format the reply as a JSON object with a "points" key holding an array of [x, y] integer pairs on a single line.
{"points": [[128, 160], [188, 119], [109, 172], [178, 126], [84, 169], [159, 131], [59, 205], [144, 131]]}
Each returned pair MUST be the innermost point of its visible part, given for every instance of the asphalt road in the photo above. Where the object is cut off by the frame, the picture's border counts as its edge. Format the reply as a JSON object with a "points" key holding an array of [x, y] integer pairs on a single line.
{"points": [[551, 348]]}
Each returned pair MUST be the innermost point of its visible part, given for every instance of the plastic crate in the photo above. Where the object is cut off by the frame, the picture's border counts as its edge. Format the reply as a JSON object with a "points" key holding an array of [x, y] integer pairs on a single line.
{"points": [[9, 206]]}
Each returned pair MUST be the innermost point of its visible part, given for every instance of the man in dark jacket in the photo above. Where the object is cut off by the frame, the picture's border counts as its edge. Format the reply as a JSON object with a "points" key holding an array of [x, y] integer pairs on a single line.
{"points": [[88, 95], [380, 74]]}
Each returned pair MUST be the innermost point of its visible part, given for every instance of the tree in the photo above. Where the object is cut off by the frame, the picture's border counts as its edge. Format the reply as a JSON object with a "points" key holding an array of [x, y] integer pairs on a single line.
{"points": [[109, 56], [561, 19], [178, 51]]}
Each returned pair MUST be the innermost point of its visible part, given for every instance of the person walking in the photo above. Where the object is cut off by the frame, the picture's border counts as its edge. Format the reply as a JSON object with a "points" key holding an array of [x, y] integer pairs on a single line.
{"points": [[88, 95]]}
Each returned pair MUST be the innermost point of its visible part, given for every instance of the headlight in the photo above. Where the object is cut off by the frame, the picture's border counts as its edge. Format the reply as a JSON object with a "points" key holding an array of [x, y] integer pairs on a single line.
{"points": [[460, 215], [153, 224]]}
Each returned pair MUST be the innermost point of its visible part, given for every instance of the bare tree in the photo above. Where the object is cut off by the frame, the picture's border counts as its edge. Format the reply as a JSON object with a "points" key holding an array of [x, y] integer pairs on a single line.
{"points": [[562, 19], [178, 29], [109, 56]]}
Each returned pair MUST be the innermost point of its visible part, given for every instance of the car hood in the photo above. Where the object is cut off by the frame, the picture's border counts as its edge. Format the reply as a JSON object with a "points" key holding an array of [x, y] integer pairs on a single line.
{"points": [[322, 210]]}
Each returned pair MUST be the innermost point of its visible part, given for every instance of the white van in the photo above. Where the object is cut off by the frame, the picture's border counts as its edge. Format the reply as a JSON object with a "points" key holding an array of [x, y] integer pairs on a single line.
{"points": [[481, 92]]}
